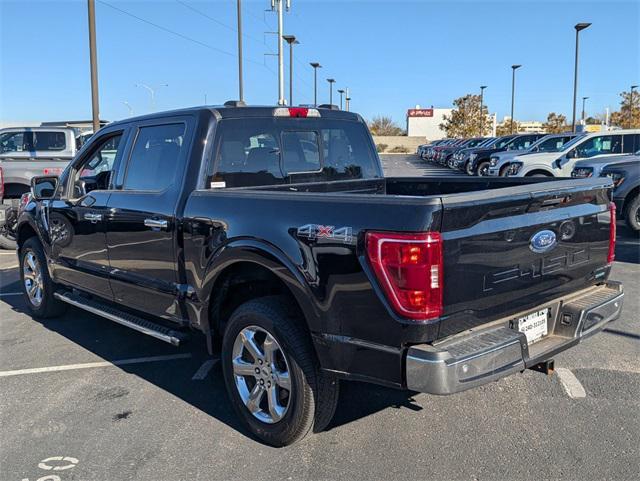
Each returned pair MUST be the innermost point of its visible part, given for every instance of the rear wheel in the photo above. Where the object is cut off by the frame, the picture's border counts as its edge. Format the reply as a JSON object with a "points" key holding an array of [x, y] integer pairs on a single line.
{"points": [[37, 286], [483, 169], [632, 213], [272, 375]]}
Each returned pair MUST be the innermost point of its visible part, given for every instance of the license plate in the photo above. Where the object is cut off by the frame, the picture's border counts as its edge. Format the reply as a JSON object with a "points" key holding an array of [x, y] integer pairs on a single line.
{"points": [[534, 325]]}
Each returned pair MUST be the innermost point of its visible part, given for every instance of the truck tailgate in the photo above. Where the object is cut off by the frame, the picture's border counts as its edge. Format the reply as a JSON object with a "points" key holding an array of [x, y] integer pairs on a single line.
{"points": [[500, 255]]}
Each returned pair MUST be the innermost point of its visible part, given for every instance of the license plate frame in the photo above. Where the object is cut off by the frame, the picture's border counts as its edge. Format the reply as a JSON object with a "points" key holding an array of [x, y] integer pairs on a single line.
{"points": [[535, 325]]}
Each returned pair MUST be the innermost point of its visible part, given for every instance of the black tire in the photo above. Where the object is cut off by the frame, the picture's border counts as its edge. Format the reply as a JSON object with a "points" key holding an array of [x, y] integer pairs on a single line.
{"points": [[7, 242], [49, 305], [313, 395], [483, 169], [632, 213]]}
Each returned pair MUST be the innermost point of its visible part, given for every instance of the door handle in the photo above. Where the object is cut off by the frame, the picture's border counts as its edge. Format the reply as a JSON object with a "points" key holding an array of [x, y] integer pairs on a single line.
{"points": [[93, 217], [156, 223]]}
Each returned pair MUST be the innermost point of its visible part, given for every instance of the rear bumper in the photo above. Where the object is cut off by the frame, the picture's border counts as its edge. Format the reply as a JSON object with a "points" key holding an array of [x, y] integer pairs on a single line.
{"points": [[479, 356]]}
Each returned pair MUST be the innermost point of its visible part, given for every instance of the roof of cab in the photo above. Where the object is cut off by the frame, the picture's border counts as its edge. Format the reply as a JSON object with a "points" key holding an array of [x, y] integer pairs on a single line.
{"points": [[223, 112]]}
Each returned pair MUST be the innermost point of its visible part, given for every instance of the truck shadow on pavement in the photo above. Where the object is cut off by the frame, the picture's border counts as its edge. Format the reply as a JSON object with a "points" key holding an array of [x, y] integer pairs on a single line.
{"points": [[111, 342]]}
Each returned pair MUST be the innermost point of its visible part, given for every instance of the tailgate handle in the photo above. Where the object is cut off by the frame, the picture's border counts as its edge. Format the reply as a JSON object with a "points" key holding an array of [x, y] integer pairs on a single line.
{"points": [[156, 223]]}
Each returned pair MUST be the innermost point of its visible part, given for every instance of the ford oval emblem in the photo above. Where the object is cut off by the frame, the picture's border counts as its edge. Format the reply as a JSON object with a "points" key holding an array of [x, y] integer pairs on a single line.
{"points": [[543, 241]]}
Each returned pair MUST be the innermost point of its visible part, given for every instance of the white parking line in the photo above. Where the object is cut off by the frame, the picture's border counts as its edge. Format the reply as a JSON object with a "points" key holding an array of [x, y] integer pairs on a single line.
{"points": [[88, 365], [203, 370], [570, 383]]}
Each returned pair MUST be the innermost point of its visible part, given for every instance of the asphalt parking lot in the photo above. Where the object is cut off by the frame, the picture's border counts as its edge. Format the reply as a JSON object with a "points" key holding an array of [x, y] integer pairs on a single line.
{"points": [[82, 398]]}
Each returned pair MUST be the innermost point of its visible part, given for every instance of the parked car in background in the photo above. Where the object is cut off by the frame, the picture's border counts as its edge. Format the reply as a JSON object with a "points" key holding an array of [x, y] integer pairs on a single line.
{"points": [[479, 161], [421, 150], [432, 151], [460, 158], [273, 230], [626, 191], [588, 146], [447, 151], [593, 167], [499, 163]]}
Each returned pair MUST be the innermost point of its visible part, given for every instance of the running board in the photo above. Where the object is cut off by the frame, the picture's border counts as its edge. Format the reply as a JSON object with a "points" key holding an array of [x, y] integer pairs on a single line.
{"points": [[133, 322]]}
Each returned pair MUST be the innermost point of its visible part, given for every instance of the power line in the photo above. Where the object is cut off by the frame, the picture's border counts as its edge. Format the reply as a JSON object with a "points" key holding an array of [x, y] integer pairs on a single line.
{"points": [[215, 20], [177, 34]]}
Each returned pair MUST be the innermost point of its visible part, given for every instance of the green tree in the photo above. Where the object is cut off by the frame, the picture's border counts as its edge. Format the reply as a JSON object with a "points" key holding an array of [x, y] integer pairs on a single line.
{"points": [[628, 116], [504, 128], [382, 125], [466, 120], [555, 124]]}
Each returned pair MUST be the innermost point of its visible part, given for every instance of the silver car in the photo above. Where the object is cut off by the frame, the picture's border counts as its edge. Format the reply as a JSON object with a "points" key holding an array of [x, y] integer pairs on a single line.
{"points": [[594, 167]]}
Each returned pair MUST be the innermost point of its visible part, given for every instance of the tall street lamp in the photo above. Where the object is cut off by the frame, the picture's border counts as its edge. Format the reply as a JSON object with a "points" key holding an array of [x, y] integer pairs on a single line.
{"points": [[152, 93], [331, 82], [578, 27], [584, 99], [291, 40], [315, 66], [93, 61], [347, 100], [341, 91], [633, 87], [240, 81], [482, 87], [513, 90]]}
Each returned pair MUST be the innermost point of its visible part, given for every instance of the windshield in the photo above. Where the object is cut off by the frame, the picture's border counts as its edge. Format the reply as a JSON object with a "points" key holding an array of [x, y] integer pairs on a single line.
{"points": [[475, 142], [552, 144], [503, 142]]}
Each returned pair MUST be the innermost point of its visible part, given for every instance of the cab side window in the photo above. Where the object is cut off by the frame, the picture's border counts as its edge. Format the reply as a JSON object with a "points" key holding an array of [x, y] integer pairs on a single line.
{"points": [[95, 172], [600, 145], [154, 160]]}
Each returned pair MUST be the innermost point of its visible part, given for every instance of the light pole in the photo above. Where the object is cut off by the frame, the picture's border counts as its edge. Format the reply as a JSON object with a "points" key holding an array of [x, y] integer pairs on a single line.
{"points": [[152, 93], [513, 90], [633, 87], [578, 27], [347, 100], [482, 87], [93, 60], [340, 91], [331, 82], [240, 81], [584, 99], [315, 66], [291, 40]]}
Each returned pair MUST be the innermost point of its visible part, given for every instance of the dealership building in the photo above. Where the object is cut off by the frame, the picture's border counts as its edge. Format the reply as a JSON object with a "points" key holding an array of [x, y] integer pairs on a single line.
{"points": [[426, 122]]}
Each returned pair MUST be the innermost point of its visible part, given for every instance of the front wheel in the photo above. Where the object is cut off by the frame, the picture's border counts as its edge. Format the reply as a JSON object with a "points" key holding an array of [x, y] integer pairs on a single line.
{"points": [[632, 213], [37, 287], [483, 169], [272, 375]]}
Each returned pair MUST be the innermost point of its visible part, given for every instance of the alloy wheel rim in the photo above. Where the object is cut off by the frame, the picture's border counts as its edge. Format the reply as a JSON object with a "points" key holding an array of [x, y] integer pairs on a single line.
{"points": [[32, 275], [261, 374]]}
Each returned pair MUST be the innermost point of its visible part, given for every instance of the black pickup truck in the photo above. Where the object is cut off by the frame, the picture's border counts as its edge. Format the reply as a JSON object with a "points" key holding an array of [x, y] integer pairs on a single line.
{"points": [[273, 231]]}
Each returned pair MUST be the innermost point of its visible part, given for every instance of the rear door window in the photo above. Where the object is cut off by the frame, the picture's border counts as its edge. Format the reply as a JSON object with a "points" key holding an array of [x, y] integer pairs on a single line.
{"points": [[600, 145], [49, 140], [630, 143], [155, 157]]}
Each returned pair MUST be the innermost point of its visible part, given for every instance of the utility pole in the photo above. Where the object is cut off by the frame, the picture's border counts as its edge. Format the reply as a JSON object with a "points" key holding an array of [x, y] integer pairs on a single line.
{"points": [[291, 40], [93, 60], [578, 27], [633, 87], [277, 4], [341, 91], [331, 82], [240, 80], [315, 66], [513, 90], [584, 99], [482, 87]]}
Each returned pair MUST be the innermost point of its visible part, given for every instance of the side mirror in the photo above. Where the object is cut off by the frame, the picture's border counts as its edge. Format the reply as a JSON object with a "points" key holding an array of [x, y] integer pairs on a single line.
{"points": [[44, 187], [572, 154]]}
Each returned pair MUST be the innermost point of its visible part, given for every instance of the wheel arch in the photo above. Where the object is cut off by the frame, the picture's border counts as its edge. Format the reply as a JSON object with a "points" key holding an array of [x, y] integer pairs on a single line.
{"points": [[629, 198]]}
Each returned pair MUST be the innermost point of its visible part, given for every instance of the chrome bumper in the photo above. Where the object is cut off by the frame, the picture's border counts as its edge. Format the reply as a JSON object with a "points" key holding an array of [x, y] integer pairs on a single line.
{"points": [[486, 354]]}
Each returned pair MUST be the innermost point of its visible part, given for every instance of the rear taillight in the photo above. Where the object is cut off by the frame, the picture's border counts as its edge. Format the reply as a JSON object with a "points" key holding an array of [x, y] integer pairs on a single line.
{"points": [[24, 199], [409, 270], [612, 233]]}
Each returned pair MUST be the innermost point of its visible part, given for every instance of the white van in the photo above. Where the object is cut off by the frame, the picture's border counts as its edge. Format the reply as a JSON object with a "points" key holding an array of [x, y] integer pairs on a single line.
{"points": [[560, 164]]}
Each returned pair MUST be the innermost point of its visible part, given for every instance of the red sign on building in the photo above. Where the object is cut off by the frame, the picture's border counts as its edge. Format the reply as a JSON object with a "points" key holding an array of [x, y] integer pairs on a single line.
{"points": [[420, 113]]}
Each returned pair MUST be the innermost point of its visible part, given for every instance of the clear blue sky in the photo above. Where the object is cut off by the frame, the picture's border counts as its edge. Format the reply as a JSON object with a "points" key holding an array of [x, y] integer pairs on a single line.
{"points": [[392, 55]]}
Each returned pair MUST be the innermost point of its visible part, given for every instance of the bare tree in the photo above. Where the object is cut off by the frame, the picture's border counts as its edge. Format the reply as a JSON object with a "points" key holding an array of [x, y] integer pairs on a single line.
{"points": [[382, 125]]}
